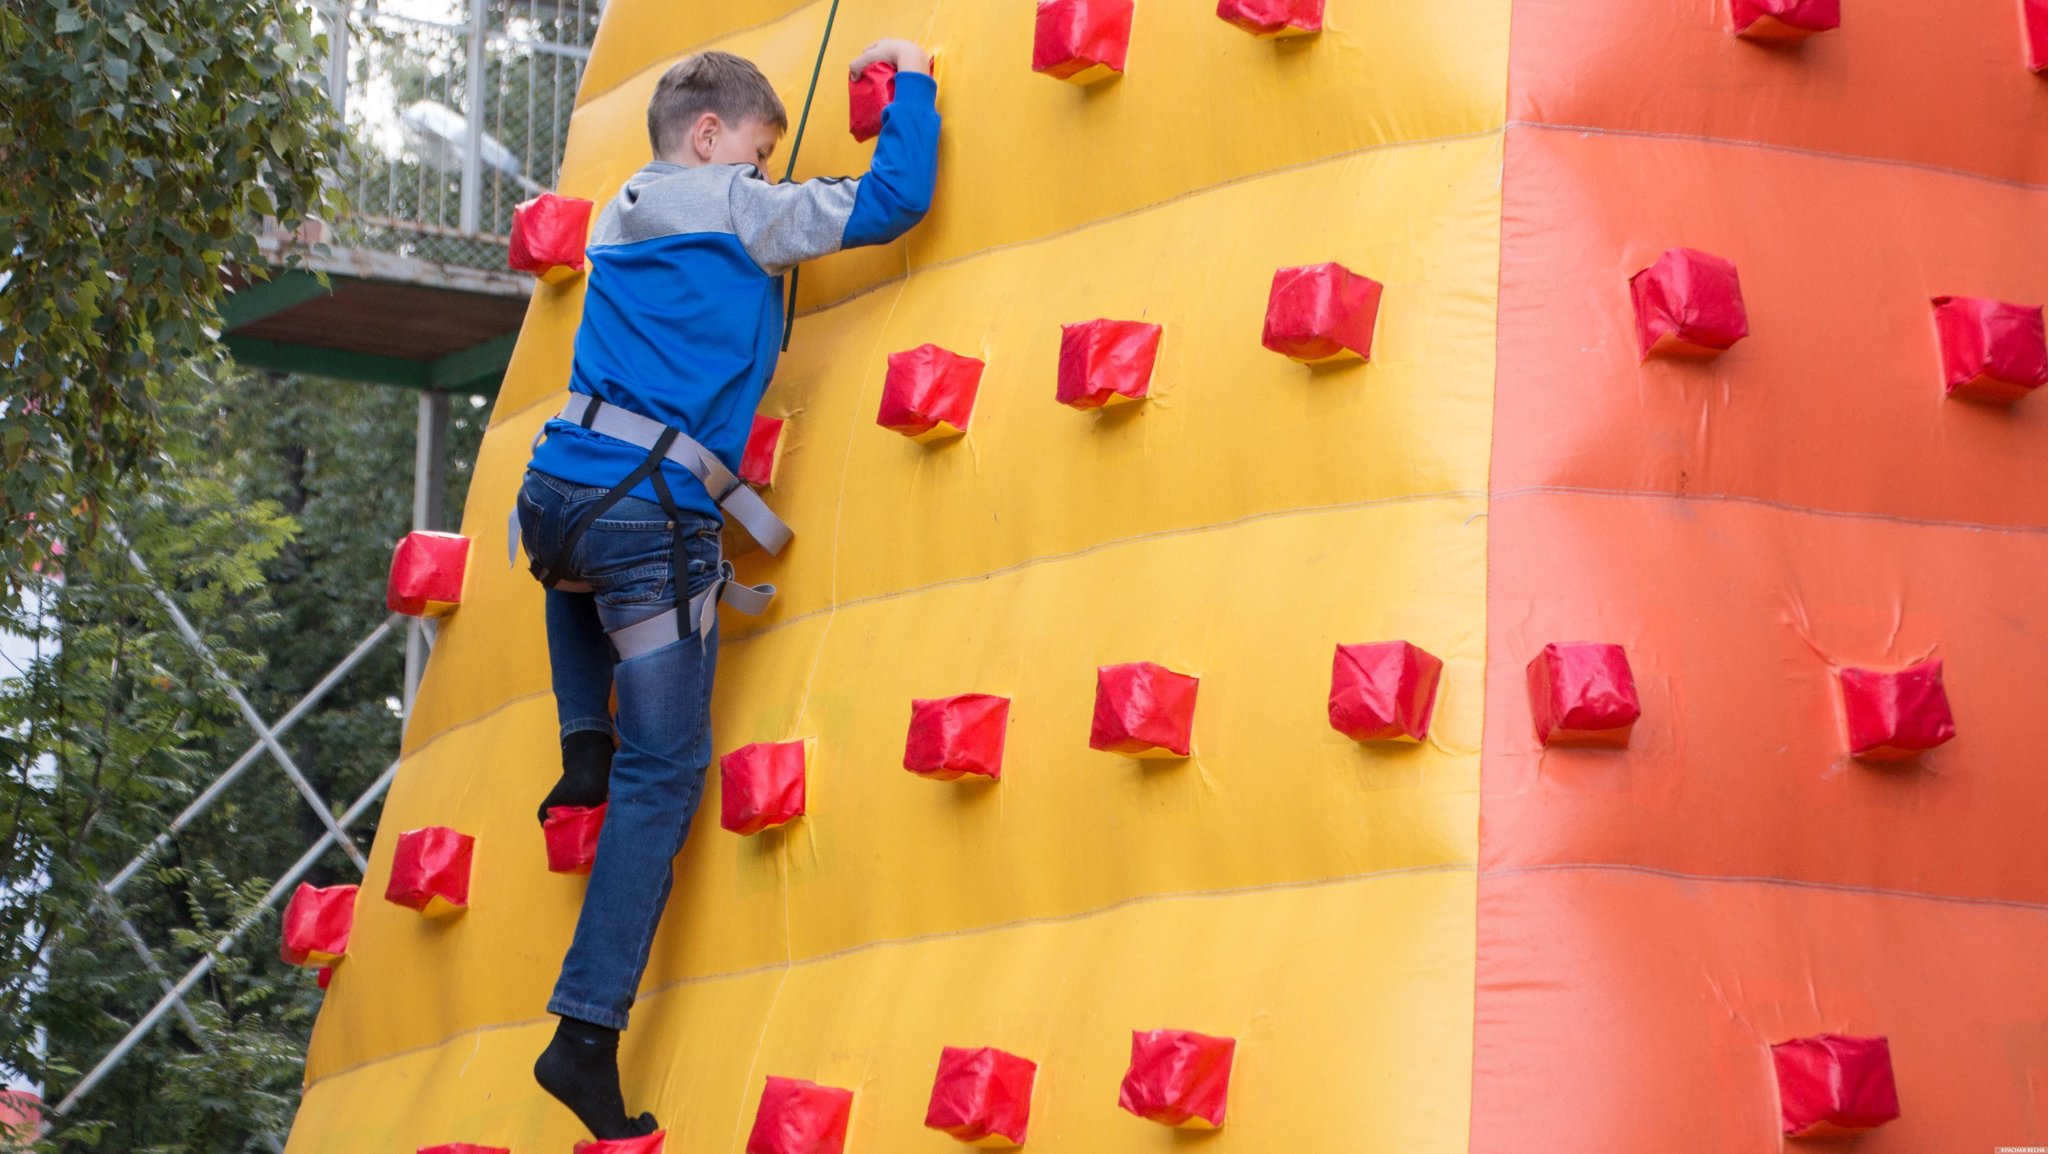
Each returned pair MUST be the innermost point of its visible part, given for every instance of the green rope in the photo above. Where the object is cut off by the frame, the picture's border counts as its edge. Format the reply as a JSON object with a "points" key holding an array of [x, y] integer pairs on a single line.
{"points": [[795, 146]]}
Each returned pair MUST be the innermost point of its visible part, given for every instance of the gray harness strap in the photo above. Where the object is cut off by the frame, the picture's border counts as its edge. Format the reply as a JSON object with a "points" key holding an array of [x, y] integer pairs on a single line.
{"points": [[739, 502], [647, 636]]}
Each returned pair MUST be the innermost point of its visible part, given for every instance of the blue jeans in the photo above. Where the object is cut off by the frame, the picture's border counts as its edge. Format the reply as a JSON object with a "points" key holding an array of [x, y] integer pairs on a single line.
{"points": [[664, 726]]}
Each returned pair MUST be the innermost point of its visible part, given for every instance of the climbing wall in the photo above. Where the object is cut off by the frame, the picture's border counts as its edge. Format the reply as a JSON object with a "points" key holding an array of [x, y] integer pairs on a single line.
{"points": [[1607, 715]]}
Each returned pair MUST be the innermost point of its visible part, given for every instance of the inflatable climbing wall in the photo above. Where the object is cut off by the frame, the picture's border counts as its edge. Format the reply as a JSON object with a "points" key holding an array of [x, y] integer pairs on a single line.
{"points": [[1606, 717]]}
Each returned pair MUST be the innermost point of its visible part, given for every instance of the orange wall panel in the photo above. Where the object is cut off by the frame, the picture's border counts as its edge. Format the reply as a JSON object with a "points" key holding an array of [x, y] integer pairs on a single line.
{"points": [[1931, 82], [1735, 617], [1835, 399], [1619, 1011]]}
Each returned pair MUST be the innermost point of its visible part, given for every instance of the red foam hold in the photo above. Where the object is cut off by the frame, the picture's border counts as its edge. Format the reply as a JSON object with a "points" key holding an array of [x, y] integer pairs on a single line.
{"points": [[1107, 362], [866, 96], [929, 393], [548, 233], [430, 870], [1143, 710], [426, 574], [1834, 1084], [799, 1117], [1178, 1077], [464, 1148], [763, 452], [1785, 20], [761, 785], [650, 1144], [1273, 17], [317, 922], [1383, 691], [1688, 304], [953, 736], [1321, 312], [982, 1096], [2034, 24], [1892, 716], [571, 832], [1583, 693], [1993, 351], [1082, 41]]}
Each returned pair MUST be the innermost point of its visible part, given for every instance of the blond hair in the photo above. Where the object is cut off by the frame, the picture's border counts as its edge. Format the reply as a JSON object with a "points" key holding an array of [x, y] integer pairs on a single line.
{"points": [[716, 82]]}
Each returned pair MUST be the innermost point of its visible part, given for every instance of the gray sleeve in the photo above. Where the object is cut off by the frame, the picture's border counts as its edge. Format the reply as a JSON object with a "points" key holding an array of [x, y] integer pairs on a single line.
{"points": [[782, 225]]}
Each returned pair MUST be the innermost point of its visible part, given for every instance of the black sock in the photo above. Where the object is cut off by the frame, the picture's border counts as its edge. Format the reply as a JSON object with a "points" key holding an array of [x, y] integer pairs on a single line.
{"points": [[581, 1069], [586, 772]]}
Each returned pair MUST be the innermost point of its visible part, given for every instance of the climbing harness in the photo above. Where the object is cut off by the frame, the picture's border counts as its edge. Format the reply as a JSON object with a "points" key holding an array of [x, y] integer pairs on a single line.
{"points": [[743, 505]]}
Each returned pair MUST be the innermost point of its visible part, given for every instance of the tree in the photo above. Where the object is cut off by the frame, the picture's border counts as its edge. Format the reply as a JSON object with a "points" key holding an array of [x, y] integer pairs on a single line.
{"points": [[140, 140], [270, 519]]}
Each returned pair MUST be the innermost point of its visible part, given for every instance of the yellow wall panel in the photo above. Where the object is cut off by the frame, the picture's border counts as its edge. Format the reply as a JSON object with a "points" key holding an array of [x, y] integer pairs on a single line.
{"points": [[1308, 895], [1351, 1036]]}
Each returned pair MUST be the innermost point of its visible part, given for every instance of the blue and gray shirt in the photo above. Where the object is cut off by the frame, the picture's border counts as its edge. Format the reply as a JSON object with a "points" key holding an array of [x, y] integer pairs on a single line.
{"points": [[682, 318]]}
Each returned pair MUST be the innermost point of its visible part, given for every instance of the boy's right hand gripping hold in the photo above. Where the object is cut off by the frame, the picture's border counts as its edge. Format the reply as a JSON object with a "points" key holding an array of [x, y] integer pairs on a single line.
{"points": [[906, 56]]}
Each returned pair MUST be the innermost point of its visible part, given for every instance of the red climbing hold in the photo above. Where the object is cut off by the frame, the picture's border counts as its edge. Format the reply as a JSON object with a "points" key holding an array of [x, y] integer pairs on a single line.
{"points": [[1583, 693], [571, 832], [761, 785], [426, 574], [1688, 303], [1273, 17], [763, 452], [799, 1117], [1321, 312], [1082, 40], [1383, 691], [1178, 1077], [1892, 716], [951, 736], [982, 1096], [1107, 362], [1992, 351], [2034, 23], [323, 976], [650, 1144], [929, 393], [548, 233], [1143, 710], [1832, 1084], [317, 923], [866, 96], [1785, 20], [464, 1148], [430, 871]]}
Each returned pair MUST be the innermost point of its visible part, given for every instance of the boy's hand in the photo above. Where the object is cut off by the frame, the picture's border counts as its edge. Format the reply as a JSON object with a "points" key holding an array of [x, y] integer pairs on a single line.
{"points": [[906, 56]]}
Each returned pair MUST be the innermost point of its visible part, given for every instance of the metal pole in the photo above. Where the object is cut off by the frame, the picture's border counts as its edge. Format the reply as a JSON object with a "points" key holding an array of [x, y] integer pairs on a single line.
{"points": [[472, 145], [248, 711], [429, 486], [220, 784], [163, 981], [337, 62], [228, 942]]}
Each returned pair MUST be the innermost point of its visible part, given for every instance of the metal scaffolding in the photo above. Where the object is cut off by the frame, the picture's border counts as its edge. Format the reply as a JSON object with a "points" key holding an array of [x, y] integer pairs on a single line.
{"points": [[268, 735]]}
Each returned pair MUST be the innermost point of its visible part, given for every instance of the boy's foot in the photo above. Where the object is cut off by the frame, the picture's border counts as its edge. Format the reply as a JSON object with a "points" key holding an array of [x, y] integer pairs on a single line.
{"points": [[586, 772], [581, 1069]]}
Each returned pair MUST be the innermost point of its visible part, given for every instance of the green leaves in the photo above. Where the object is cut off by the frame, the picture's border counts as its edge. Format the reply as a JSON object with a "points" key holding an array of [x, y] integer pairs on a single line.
{"points": [[148, 125]]}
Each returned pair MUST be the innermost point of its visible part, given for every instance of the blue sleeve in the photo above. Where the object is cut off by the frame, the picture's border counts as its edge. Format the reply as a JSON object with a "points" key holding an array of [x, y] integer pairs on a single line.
{"points": [[897, 190]]}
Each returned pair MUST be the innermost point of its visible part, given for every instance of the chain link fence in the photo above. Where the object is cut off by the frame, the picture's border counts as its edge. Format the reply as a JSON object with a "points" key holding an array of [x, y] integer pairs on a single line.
{"points": [[408, 75]]}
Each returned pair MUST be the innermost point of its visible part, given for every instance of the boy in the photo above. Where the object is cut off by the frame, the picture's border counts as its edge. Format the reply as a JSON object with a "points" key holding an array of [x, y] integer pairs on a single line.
{"points": [[681, 325]]}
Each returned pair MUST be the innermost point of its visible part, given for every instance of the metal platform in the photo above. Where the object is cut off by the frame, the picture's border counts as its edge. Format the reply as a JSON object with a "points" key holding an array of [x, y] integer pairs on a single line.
{"points": [[381, 318]]}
